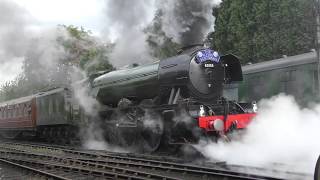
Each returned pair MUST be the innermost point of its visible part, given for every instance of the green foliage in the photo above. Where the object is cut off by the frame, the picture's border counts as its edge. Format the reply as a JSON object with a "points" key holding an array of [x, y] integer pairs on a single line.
{"points": [[260, 30], [86, 52], [77, 33], [51, 62], [162, 46]]}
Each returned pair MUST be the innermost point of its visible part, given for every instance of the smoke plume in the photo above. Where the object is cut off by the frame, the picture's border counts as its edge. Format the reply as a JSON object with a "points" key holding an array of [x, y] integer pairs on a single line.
{"points": [[187, 21], [282, 136], [126, 21], [14, 38], [45, 60], [24, 45]]}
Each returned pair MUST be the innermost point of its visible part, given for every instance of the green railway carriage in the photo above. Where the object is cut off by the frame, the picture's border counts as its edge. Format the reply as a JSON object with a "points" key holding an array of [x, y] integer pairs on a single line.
{"points": [[294, 75]]}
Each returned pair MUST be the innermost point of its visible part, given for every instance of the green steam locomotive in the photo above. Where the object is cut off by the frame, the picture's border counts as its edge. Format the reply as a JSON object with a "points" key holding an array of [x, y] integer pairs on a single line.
{"points": [[174, 101]]}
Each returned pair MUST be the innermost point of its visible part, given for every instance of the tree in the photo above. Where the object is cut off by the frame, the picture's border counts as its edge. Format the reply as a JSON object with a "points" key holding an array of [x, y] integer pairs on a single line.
{"points": [[260, 30], [161, 46], [52, 59], [86, 52]]}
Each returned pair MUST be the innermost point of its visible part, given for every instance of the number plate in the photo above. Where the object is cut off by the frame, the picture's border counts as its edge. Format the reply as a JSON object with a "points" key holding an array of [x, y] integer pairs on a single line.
{"points": [[208, 65]]}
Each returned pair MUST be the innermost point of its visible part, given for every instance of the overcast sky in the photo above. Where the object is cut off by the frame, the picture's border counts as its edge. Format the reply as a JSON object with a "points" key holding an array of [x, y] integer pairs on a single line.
{"points": [[86, 13], [49, 13]]}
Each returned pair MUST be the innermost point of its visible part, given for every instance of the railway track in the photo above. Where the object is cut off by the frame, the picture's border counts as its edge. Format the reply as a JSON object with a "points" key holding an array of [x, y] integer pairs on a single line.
{"points": [[70, 163]]}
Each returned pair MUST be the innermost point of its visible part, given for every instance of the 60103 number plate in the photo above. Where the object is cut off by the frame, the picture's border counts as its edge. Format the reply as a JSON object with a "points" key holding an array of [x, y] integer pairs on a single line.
{"points": [[208, 65]]}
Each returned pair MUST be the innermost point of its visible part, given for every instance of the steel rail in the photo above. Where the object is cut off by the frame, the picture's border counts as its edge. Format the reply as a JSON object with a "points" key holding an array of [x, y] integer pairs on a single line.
{"points": [[160, 165], [43, 173], [81, 166]]}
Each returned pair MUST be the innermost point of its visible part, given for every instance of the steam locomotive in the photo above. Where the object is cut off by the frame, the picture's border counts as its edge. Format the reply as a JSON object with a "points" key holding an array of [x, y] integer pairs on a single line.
{"points": [[177, 100]]}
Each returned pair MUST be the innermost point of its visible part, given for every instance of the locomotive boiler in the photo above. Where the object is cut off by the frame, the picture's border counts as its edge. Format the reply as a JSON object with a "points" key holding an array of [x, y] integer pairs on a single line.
{"points": [[180, 95], [196, 73]]}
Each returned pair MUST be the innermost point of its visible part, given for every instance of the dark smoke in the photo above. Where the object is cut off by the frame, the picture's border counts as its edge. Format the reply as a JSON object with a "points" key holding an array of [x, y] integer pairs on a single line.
{"points": [[187, 21]]}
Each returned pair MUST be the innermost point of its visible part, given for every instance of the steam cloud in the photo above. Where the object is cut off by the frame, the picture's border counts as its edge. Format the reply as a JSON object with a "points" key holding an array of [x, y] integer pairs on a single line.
{"points": [[282, 133], [14, 38], [126, 22], [21, 44], [92, 136], [187, 21]]}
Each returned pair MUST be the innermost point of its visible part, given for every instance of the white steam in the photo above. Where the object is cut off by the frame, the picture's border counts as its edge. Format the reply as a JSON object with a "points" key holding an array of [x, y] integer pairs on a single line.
{"points": [[14, 39], [283, 135], [126, 21], [24, 43], [152, 122], [187, 21], [91, 133]]}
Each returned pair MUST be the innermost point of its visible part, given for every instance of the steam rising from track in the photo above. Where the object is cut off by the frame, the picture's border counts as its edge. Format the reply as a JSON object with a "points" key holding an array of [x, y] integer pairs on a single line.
{"points": [[281, 133], [92, 134]]}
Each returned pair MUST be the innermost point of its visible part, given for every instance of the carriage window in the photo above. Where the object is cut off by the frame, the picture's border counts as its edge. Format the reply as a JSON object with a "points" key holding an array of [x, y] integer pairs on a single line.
{"points": [[29, 108], [54, 110], [25, 109], [41, 104], [50, 106], [16, 111], [21, 110], [46, 105], [9, 112], [57, 104], [288, 75], [316, 81]]}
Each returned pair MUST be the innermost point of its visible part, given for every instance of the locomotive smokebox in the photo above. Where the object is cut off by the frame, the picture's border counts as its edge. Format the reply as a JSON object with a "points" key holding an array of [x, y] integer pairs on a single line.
{"points": [[201, 72]]}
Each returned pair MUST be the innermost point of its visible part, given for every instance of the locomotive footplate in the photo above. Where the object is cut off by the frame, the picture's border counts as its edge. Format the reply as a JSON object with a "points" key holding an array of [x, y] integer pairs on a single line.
{"points": [[232, 116], [225, 124]]}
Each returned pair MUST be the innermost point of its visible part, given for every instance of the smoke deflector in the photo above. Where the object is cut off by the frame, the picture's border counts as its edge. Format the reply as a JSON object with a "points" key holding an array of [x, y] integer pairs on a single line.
{"points": [[233, 71]]}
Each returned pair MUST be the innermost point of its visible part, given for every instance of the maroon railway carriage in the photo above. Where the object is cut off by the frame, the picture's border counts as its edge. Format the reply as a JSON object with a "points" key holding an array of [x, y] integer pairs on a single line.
{"points": [[18, 114], [48, 114]]}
